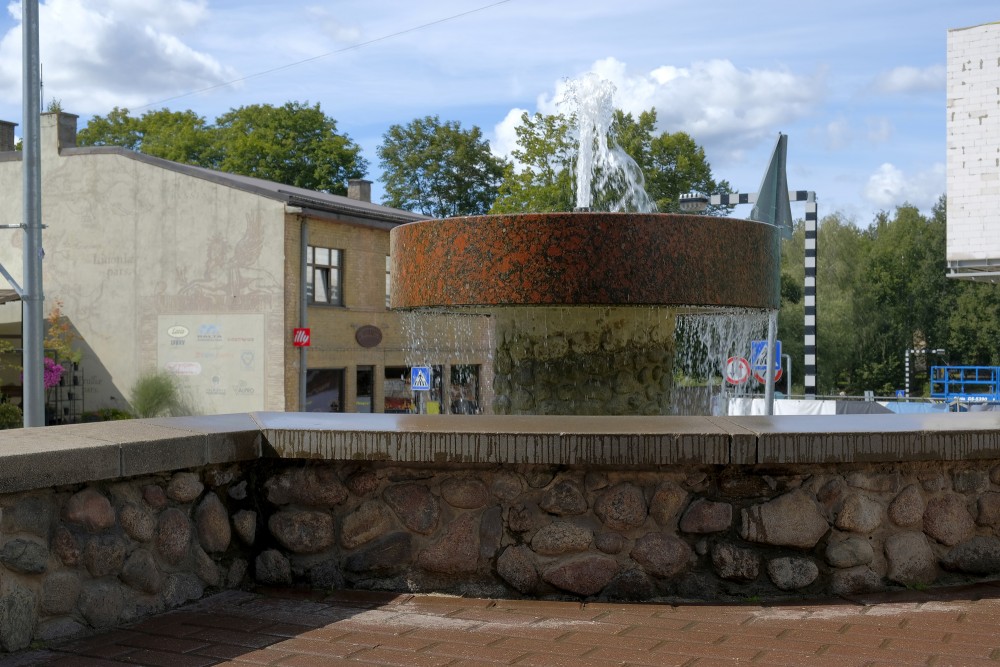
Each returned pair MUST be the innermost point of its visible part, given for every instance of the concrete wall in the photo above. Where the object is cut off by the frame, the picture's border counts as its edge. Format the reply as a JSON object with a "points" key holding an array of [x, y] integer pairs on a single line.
{"points": [[102, 524], [156, 268], [973, 143]]}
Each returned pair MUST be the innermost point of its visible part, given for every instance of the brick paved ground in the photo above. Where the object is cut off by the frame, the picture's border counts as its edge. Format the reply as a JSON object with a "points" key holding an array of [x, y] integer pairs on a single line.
{"points": [[953, 627]]}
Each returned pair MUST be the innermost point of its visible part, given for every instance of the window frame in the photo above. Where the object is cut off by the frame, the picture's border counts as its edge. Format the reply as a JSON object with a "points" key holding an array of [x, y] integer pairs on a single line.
{"points": [[332, 269]]}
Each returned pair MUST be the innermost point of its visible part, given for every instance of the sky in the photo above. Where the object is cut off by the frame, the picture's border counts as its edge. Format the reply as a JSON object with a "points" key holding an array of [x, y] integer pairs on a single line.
{"points": [[858, 87]]}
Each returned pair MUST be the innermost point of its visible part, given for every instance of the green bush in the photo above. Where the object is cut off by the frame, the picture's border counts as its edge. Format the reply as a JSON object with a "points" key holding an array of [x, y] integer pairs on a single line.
{"points": [[11, 416], [156, 394], [105, 415]]}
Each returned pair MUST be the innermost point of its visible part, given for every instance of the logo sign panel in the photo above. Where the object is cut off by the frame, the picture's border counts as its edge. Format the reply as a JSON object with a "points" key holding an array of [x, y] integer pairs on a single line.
{"points": [[301, 337], [420, 378], [758, 359]]}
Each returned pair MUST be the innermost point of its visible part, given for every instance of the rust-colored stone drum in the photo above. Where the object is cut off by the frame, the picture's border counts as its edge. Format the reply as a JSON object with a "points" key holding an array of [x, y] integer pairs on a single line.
{"points": [[585, 259], [583, 304]]}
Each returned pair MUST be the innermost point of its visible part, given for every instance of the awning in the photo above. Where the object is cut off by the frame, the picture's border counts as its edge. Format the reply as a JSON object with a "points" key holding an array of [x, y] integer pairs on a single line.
{"points": [[8, 295]]}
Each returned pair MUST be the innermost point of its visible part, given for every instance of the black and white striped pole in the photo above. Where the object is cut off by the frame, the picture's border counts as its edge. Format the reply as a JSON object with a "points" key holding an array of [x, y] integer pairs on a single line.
{"points": [[909, 353], [698, 202]]}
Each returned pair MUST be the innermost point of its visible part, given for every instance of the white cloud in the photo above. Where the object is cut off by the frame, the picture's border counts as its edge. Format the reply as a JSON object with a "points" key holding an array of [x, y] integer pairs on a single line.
{"points": [[911, 80], [504, 133], [722, 106], [839, 134], [331, 25], [889, 187], [879, 130], [103, 53]]}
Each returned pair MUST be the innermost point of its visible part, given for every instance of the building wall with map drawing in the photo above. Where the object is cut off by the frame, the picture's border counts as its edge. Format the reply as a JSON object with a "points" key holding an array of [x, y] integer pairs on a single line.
{"points": [[163, 265]]}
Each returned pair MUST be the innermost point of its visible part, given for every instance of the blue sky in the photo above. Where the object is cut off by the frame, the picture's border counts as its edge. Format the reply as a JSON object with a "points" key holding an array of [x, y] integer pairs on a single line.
{"points": [[859, 87]]}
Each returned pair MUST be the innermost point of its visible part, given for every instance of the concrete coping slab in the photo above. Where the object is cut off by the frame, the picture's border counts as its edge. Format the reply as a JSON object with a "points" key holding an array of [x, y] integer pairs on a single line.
{"points": [[58, 455]]}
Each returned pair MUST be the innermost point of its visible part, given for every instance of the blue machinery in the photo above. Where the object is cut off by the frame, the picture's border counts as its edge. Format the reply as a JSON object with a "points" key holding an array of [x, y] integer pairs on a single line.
{"points": [[970, 384]]}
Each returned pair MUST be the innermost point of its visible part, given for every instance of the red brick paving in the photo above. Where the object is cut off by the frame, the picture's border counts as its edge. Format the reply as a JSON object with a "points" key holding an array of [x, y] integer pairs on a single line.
{"points": [[306, 629]]}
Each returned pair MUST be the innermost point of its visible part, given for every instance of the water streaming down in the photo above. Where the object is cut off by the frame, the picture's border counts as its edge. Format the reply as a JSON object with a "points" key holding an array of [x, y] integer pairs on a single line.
{"points": [[587, 313]]}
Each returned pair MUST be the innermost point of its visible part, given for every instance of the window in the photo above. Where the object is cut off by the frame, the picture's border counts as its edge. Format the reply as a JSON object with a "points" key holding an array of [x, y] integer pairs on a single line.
{"points": [[324, 275], [325, 390], [388, 276]]}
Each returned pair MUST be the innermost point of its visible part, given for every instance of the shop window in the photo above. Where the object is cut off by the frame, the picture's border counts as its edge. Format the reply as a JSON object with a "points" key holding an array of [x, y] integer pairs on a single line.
{"points": [[464, 389], [325, 275], [325, 390], [366, 389], [396, 388]]}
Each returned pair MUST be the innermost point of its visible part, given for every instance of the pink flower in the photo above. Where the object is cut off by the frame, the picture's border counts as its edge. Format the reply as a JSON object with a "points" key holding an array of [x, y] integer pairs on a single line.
{"points": [[53, 373]]}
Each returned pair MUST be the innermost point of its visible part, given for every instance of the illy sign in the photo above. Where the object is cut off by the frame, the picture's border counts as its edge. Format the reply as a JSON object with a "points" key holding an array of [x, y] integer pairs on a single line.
{"points": [[300, 337]]}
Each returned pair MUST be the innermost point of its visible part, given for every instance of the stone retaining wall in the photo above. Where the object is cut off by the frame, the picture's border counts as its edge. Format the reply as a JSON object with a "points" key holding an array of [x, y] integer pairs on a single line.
{"points": [[97, 529], [104, 554]]}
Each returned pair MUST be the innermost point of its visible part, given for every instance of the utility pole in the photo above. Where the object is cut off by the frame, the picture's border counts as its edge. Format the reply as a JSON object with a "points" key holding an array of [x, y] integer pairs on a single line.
{"points": [[33, 333]]}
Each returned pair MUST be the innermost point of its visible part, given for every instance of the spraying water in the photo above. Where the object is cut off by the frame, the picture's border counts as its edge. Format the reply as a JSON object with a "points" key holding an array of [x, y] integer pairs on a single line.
{"points": [[604, 172]]}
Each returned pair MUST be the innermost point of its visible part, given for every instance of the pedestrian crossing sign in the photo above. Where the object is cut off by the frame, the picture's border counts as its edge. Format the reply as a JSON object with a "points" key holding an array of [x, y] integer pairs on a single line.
{"points": [[420, 378]]}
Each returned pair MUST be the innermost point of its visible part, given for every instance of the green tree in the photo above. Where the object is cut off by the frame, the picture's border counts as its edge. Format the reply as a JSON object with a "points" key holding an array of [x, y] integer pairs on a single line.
{"points": [[118, 128], [295, 144], [672, 163], [542, 179], [180, 136], [439, 169]]}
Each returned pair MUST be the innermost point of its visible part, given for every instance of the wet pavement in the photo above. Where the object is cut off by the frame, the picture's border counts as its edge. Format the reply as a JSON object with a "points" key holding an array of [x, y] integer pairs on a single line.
{"points": [[958, 626]]}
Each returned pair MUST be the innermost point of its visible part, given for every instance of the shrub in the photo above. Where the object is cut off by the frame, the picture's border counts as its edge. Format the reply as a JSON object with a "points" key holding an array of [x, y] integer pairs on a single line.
{"points": [[156, 394], [11, 416]]}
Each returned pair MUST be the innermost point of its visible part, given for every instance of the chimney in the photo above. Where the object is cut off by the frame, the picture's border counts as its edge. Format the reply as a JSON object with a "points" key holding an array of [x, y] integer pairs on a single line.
{"points": [[67, 130], [60, 126], [360, 190], [7, 135]]}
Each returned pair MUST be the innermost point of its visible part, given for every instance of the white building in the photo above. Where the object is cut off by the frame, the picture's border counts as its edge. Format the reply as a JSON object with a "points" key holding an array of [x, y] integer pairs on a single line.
{"points": [[973, 163]]}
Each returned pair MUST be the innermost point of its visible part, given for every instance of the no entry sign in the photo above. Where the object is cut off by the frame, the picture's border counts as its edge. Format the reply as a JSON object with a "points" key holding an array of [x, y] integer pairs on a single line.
{"points": [[737, 370]]}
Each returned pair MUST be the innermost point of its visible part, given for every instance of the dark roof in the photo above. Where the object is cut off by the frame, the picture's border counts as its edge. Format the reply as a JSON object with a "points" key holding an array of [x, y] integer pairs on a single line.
{"points": [[311, 201]]}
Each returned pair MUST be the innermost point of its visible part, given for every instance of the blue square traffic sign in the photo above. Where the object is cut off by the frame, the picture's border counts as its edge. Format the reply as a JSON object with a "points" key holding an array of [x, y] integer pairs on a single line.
{"points": [[420, 378]]}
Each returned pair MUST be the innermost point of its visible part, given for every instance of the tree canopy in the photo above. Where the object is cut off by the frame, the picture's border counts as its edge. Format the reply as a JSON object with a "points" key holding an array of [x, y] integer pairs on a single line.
{"points": [[882, 291], [439, 169], [296, 144], [671, 163]]}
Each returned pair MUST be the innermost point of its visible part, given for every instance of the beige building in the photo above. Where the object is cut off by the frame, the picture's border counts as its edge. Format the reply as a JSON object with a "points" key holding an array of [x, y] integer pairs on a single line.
{"points": [[162, 265]]}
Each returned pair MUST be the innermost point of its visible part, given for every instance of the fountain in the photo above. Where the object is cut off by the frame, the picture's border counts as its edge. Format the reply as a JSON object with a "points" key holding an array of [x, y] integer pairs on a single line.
{"points": [[585, 303]]}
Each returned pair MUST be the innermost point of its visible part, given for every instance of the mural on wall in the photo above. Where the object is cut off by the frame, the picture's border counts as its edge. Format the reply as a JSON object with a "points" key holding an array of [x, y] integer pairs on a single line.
{"points": [[211, 332], [232, 270]]}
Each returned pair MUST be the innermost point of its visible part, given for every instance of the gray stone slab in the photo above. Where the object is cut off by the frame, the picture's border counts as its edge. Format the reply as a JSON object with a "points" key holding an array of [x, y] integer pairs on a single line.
{"points": [[234, 437], [36, 458], [872, 438], [628, 441], [147, 446]]}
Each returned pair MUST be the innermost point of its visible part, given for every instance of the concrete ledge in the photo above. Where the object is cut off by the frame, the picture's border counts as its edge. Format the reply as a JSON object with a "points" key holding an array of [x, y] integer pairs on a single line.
{"points": [[53, 456], [56, 455]]}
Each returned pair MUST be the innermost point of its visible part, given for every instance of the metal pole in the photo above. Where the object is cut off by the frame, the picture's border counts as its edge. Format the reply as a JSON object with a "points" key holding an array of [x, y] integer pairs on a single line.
{"points": [[33, 332], [303, 307], [772, 336], [788, 378]]}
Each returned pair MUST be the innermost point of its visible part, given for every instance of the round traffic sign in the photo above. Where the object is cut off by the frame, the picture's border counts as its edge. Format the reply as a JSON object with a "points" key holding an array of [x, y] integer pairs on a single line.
{"points": [[758, 375], [737, 370]]}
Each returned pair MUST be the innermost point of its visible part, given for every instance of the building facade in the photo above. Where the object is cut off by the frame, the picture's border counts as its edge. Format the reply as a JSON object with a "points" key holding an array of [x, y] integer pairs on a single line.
{"points": [[160, 265], [973, 145]]}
